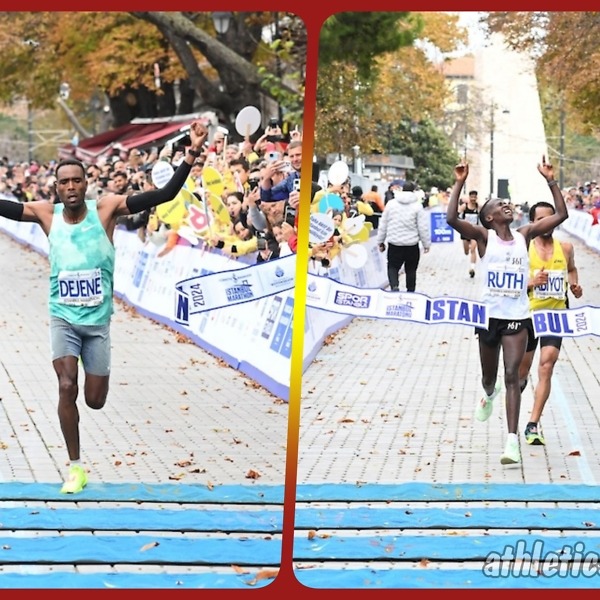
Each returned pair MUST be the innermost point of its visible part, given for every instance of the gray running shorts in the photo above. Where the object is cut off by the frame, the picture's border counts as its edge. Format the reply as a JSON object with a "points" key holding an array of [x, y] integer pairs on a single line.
{"points": [[91, 342]]}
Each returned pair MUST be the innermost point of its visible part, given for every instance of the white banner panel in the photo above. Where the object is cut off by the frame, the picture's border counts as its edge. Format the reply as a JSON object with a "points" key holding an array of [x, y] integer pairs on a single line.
{"points": [[248, 284], [333, 296], [572, 322]]}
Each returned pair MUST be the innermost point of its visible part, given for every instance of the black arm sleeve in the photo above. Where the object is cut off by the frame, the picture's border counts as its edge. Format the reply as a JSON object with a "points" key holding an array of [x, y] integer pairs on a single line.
{"points": [[11, 210], [146, 200]]}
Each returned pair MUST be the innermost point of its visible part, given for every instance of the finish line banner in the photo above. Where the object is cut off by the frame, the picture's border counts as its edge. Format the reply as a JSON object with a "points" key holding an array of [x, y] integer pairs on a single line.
{"points": [[571, 322], [327, 294], [227, 288]]}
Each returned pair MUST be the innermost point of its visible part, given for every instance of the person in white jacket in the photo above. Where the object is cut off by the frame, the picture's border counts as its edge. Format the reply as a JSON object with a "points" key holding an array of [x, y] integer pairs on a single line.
{"points": [[402, 226]]}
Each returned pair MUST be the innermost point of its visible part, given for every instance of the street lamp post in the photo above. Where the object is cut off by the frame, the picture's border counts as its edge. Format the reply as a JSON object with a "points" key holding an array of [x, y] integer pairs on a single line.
{"points": [[492, 151], [96, 107], [221, 21], [356, 163], [277, 36], [29, 131], [505, 111], [466, 133], [551, 108], [561, 173]]}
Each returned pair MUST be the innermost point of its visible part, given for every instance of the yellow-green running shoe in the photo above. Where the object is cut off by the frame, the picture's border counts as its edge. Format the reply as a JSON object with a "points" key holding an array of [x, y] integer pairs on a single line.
{"points": [[533, 435], [76, 482]]}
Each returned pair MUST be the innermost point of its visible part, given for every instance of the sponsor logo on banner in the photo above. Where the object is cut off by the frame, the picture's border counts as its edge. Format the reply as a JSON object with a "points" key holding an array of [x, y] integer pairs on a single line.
{"points": [[281, 281], [402, 310], [455, 310], [317, 290], [343, 298], [226, 288], [197, 295], [240, 291], [440, 230]]}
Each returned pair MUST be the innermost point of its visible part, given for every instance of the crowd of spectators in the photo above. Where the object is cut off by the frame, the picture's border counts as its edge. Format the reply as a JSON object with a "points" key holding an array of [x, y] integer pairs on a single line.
{"points": [[583, 197], [242, 221], [256, 213], [260, 198]]}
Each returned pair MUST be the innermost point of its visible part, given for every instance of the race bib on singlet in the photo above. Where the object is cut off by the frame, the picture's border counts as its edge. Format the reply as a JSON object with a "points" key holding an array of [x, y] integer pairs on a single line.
{"points": [[507, 283], [472, 218], [554, 288], [80, 288]]}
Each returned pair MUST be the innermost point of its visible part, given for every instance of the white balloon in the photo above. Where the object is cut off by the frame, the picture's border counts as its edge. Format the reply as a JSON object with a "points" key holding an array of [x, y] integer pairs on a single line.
{"points": [[355, 256], [321, 228], [162, 171], [247, 121], [338, 172]]}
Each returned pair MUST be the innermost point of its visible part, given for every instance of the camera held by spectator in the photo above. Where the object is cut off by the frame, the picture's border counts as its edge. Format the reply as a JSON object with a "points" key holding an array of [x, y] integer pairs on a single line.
{"points": [[273, 132]]}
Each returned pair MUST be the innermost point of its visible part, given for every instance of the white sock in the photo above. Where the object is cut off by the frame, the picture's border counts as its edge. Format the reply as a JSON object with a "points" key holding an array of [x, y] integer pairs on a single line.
{"points": [[513, 437], [75, 462]]}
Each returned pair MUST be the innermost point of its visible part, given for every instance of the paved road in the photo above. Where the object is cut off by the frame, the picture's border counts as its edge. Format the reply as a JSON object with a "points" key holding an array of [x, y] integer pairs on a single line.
{"points": [[389, 401], [170, 403], [383, 404], [177, 420], [399, 486]]}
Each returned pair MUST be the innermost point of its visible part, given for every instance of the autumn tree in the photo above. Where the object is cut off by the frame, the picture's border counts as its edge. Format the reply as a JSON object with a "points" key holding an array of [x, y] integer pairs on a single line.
{"points": [[153, 63], [369, 96], [431, 150], [359, 38]]}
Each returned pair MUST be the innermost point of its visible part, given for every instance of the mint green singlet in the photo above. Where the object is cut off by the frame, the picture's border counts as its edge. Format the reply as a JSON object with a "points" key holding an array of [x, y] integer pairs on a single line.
{"points": [[82, 264]]}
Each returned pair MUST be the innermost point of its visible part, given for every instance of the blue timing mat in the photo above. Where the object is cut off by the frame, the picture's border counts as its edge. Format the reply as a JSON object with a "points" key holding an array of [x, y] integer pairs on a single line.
{"points": [[246, 494], [448, 547], [224, 546], [132, 580], [524, 542], [443, 518], [444, 492], [138, 519], [271, 521], [426, 577], [218, 544], [140, 492], [140, 550]]}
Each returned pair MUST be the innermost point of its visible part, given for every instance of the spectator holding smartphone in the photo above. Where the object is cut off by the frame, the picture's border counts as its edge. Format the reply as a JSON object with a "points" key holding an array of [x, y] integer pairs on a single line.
{"points": [[271, 192], [251, 204], [272, 140], [289, 227]]}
